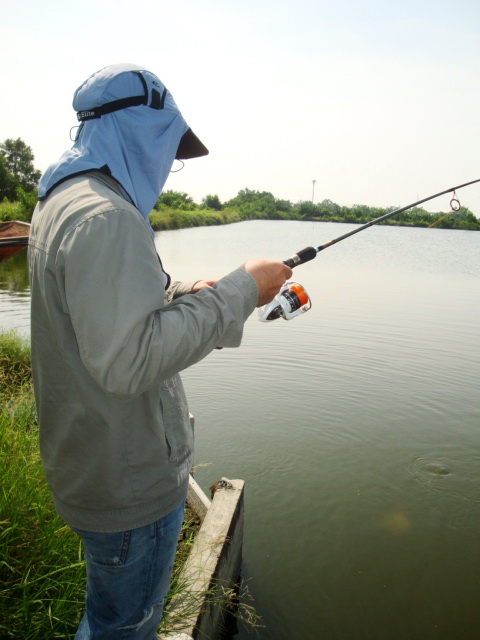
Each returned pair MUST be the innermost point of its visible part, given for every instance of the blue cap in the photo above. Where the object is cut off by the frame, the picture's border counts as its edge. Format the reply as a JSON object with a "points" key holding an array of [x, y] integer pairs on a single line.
{"points": [[122, 86]]}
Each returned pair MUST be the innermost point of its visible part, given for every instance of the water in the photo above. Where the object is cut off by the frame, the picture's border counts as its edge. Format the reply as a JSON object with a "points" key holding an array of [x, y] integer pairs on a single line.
{"points": [[355, 427], [15, 294]]}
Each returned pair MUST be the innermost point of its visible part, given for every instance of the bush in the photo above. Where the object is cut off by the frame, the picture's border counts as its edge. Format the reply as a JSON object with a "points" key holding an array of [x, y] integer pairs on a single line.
{"points": [[12, 211], [168, 219], [175, 200], [28, 201], [19, 209]]}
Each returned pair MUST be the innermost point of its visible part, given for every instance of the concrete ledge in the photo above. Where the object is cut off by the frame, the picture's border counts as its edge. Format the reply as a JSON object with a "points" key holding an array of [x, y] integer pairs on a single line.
{"points": [[196, 499], [213, 565]]}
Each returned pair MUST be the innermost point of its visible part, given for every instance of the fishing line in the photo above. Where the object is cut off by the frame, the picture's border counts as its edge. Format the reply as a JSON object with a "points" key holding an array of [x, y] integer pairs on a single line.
{"points": [[383, 258], [309, 253], [293, 300]]}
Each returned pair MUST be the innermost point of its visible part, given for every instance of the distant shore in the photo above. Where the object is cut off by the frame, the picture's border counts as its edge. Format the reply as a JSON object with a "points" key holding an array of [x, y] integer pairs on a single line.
{"points": [[169, 219]]}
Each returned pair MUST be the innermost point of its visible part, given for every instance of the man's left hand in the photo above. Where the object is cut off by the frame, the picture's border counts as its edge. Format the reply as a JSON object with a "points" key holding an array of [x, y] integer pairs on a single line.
{"points": [[202, 284]]}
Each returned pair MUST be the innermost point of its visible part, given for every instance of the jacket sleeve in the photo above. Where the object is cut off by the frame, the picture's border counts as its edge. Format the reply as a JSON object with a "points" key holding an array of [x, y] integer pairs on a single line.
{"points": [[112, 287]]}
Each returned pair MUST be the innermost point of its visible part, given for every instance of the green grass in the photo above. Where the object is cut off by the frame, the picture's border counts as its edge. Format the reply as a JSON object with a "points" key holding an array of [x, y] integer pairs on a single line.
{"points": [[41, 569], [12, 211], [14, 364], [42, 574], [167, 219]]}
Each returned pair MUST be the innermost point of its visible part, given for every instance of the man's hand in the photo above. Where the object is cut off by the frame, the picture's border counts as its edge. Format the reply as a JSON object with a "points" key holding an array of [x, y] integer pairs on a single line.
{"points": [[269, 276], [202, 284]]}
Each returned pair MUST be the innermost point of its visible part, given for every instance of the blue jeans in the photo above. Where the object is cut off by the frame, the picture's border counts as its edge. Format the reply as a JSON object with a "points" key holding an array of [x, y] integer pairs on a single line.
{"points": [[128, 576]]}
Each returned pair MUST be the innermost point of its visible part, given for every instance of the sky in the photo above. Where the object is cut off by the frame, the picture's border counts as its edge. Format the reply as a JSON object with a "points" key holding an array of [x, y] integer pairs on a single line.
{"points": [[377, 101]]}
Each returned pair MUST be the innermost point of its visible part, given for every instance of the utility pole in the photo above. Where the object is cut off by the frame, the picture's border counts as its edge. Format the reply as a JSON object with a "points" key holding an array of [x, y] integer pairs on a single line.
{"points": [[313, 190]]}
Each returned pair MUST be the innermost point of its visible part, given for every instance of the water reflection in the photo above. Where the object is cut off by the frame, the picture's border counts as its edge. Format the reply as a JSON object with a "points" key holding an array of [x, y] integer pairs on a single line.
{"points": [[13, 273], [15, 293]]}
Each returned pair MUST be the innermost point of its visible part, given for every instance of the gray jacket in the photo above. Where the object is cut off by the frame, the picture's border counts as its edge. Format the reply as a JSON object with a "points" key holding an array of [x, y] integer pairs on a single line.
{"points": [[115, 437]]}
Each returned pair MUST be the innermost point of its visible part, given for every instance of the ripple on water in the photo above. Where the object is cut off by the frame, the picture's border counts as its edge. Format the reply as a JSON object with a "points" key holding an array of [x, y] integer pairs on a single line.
{"points": [[447, 474]]}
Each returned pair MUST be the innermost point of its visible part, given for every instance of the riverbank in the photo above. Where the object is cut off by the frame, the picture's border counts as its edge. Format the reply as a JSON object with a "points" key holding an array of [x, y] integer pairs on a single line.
{"points": [[168, 219], [176, 210], [42, 573]]}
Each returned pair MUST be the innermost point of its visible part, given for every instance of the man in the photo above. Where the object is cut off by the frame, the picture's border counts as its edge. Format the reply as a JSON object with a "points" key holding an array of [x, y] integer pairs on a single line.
{"points": [[107, 348]]}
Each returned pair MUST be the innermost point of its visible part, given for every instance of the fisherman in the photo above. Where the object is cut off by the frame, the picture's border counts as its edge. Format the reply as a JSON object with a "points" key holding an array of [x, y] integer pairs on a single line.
{"points": [[107, 347]]}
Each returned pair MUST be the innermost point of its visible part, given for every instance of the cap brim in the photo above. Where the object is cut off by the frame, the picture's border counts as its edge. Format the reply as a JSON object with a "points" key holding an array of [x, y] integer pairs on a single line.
{"points": [[190, 147]]}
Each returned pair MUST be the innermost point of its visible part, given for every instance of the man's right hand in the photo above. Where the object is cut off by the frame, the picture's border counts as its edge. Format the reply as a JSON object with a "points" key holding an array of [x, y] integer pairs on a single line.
{"points": [[269, 276]]}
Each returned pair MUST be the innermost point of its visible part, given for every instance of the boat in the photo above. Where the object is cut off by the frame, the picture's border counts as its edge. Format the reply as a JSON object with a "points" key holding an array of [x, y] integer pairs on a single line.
{"points": [[13, 237]]}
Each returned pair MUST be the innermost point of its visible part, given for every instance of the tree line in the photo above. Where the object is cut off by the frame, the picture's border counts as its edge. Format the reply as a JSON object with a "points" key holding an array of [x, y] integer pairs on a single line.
{"points": [[175, 209]]}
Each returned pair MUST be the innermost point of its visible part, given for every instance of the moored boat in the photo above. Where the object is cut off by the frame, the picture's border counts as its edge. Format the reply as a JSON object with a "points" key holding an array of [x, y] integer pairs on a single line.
{"points": [[13, 237]]}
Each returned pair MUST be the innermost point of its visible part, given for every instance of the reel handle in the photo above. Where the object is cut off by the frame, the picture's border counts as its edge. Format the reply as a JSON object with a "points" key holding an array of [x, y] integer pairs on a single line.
{"points": [[304, 255]]}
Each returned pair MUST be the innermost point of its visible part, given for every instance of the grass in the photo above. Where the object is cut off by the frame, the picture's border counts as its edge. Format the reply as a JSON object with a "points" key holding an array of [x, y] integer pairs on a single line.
{"points": [[167, 219], [42, 573], [12, 211], [41, 569], [14, 364]]}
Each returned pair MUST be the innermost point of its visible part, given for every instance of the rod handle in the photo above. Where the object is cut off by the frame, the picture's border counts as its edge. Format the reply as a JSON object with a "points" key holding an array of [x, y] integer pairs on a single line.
{"points": [[302, 256]]}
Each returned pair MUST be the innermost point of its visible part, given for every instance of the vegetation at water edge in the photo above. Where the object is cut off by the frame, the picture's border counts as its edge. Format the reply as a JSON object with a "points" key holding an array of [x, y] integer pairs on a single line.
{"points": [[42, 573], [177, 210]]}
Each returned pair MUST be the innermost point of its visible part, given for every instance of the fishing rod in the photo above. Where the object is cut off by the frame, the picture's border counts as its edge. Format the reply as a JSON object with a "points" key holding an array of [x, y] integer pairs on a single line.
{"points": [[292, 299]]}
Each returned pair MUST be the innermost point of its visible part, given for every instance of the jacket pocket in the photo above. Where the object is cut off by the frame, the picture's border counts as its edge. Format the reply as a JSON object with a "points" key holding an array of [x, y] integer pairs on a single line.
{"points": [[178, 431]]}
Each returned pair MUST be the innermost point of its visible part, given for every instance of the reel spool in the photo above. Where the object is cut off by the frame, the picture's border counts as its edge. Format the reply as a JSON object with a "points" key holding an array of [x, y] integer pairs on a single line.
{"points": [[291, 301]]}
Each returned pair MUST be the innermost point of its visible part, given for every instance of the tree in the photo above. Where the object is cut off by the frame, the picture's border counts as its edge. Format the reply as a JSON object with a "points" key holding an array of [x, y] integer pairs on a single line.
{"points": [[307, 209], [27, 200], [175, 200], [460, 214], [253, 203], [211, 202], [283, 205], [470, 218], [18, 158], [7, 181]]}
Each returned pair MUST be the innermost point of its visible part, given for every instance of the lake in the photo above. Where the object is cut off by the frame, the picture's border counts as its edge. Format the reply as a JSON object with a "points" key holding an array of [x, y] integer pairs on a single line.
{"points": [[356, 427]]}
